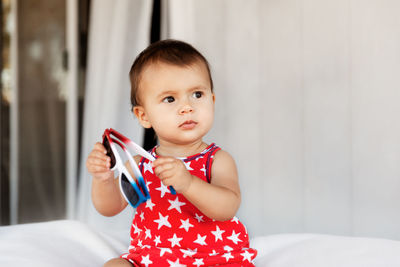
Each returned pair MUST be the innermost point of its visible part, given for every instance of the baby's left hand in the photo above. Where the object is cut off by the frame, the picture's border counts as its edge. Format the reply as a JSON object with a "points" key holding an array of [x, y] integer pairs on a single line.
{"points": [[172, 171]]}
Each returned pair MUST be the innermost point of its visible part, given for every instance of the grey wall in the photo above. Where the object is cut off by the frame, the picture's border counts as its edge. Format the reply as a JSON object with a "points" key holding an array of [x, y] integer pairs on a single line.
{"points": [[307, 101]]}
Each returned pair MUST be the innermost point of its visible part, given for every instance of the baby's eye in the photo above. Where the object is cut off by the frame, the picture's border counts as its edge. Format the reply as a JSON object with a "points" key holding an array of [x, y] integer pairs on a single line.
{"points": [[169, 99], [197, 94]]}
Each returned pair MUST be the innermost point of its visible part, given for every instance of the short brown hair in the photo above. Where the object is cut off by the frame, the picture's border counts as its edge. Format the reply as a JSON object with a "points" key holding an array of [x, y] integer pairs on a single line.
{"points": [[167, 51]]}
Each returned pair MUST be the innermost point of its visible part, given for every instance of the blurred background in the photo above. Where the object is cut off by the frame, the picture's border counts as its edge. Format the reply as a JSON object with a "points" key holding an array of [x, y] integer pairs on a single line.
{"points": [[34, 100], [307, 102]]}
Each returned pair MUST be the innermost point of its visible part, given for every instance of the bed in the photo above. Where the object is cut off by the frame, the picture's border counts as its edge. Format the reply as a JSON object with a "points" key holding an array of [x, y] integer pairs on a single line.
{"points": [[73, 243]]}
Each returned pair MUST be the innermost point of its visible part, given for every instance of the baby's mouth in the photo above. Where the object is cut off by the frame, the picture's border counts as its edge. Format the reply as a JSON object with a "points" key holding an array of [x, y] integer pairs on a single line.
{"points": [[187, 125]]}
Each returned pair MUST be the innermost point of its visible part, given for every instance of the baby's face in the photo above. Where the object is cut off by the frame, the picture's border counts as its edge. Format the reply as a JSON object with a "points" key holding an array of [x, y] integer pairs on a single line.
{"points": [[176, 101]]}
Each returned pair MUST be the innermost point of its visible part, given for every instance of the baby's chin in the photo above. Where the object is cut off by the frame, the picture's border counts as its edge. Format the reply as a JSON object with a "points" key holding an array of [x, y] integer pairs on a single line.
{"points": [[183, 140]]}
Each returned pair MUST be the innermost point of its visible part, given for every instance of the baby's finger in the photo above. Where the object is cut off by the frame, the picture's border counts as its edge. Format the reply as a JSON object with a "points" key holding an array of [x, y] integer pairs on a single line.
{"points": [[98, 154], [162, 160], [99, 147], [93, 161], [95, 169], [162, 168], [167, 174]]}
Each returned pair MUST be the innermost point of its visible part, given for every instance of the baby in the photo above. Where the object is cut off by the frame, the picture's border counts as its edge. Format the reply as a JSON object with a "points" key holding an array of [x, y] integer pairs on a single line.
{"points": [[172, 92]]}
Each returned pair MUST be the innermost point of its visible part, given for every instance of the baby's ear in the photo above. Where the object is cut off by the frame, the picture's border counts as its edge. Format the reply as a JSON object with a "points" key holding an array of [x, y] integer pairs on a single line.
{"points": [[141, 116]]}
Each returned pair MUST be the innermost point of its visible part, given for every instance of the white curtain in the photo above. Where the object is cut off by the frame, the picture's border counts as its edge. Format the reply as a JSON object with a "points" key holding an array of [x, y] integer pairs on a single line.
{"points": [[307, 101], [119, 30]]}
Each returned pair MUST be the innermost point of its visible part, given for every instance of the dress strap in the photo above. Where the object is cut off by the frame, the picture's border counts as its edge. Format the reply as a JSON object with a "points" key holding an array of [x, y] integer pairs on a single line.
{"points": [[210, 155], [141, 164]]}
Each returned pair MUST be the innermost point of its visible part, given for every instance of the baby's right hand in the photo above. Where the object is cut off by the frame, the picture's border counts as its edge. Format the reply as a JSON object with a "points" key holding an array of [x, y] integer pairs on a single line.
{"points": [[98, 163]]}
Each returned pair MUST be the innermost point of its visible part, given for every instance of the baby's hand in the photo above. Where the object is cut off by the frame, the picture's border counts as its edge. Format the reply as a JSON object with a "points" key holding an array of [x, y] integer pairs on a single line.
{"points": [[172, 171], [98, 163]]}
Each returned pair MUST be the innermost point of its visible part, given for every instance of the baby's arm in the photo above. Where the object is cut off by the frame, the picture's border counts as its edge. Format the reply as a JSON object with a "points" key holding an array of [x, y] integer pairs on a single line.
{"points": [[106, 195], [219, 200]]}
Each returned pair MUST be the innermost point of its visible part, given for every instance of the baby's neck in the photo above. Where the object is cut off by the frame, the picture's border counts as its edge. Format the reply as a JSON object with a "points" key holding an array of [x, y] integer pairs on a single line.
{"points": [[176, 150]]}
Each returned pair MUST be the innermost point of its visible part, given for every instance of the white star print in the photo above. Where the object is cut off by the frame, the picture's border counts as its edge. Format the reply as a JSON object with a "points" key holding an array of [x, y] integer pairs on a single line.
{"points": [[175, 241], [198, 262], [235, 219], [146, 260], [218, 234], [150, 204], [163, 250], [201, 240], [148, 233], [228, 248], [157, 240], [204, 169], [187, 165], [188, 252], [227, 256], [148, 184], [162, 221], [213, 253], [176, 204], [175, 264], [199, 218], [247, 255], [163, 189], [147, 167], [186, 224], [139, 243], [141, 216], [199, 157], [137, 229], [234, 237]]}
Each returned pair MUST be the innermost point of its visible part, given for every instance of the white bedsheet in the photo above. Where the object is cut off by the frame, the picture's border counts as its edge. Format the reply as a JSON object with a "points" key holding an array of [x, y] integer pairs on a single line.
{"points": [[56, 243], [71, 243], [316, 250]]}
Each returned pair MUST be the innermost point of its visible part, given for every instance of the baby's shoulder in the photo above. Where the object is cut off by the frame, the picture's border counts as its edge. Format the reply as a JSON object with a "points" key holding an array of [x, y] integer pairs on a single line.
{"points": [[222, 157], [224, 169]]}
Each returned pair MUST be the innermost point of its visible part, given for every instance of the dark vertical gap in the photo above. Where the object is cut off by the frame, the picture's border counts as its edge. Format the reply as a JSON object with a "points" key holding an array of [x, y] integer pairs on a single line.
{"points": [[150, 138], [4, 135], [83, 31], [155, 22], [1, 114]]}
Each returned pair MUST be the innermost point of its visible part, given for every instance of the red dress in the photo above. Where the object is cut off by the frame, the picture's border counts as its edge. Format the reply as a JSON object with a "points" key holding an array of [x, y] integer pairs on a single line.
{"points": [[168, 230]]}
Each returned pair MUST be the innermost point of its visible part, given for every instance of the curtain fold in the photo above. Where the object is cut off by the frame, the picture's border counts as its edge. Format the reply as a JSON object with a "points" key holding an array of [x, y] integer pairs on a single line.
{"points": [[119, 30]]}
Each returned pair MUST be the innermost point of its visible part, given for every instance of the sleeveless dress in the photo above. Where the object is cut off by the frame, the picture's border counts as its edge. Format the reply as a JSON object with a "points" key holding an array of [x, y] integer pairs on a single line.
{"points": [[168, 230]]}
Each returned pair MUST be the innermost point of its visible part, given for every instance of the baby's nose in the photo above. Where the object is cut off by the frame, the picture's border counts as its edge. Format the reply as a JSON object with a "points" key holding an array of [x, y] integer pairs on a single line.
{"points": [[186, 109]]}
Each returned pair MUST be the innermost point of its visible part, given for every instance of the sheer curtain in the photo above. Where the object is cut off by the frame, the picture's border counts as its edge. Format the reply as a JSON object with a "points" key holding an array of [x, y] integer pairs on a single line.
{"points": [[307, 97], [119, 30], [37, 110]]}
